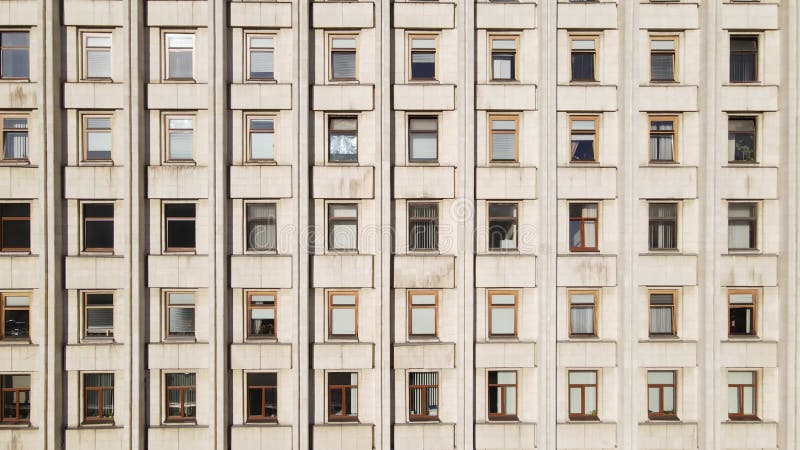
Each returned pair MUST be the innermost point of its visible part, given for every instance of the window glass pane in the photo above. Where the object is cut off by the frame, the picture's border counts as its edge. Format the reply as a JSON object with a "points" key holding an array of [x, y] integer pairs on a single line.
{"points": [[180, 40], [344, 43], [660, 377], [180, 64], [262, 64], [17, 301], [423, 321], [180, 145], [423, 146], [582, 298], [262, 145], [669, 400], [583, 44], [575, 403], [502, 124], [14, 62], [740, 378], [504, 44], [591, 400], [423, 43], [511, 400], [343, 321], [661, 320], [503, 66], [582, 377], [748, 395], [662, 66], [733, 400], [343, 65], [653, 400], [503, 299], [342, 147], [583, 66], [662, 45], [502, 321], [181, 321], [582, 320], [181, 298], [98, 63], [423, 64]]}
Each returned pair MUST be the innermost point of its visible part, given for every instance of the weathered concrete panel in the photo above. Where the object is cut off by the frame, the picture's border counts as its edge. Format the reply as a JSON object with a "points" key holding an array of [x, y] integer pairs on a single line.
{"points": [[342, 271], [19, 271], [424, 356], [749, 270], [261, 181], [498, 183], [594, 435], [336, 15], [270, 96], [424, 15], [749, 354], [757, 16], [424, 97], [667, 270], [349, 436], [510, 97], [505, 354], [19, 182], [351, 356], [749, 98], [177, 95], [90, 438], [587, 182], [424, 436], [511, 270], [177, 271], [670, 98], [184, 355], [338, 182], [587, 270], [667, 354], [424, 271], [273, 437], [261, 14], [19, 358], [18, 13], [587, 354], [94, 182], [589, 16], [269, 356], [750, 435], [497, 436], [261, 271], [110, 357], [171, 437], [754, 183], [591, 98], [424, 182], [95, 272], [177, 182], [343, 97], [18, 95], [95, 95], [668, 436], [667, 182], [674, 16], [505, 16], [177, 13], [94, 13]]}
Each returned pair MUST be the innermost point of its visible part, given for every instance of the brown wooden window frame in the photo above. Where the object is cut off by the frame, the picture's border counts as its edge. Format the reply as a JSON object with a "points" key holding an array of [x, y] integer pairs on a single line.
{"points": [[182, 389], [511, 221], [250, 307], [583, 415], [673, 52], [332, 307], [751, 221], [168, 219], [85, 316], [754, 53], [593, 306], [740, 387], [491, 307], [85, 218], [734, 134], [333, 220], [513, 52], [168, 306], [752, 307], [101, 391], [502, 389], [85, 48], [413, 219], [661, 414], [249, 119], [583, 220], [493, 132], [427, 416], [263, 390], [343, 389], [4, 219], [657, 133], [412, 307], [18, 392], [4, 131], [251, 221], [673, 311], [594, 132], [657, 221], [415, 130], [4, 308]]}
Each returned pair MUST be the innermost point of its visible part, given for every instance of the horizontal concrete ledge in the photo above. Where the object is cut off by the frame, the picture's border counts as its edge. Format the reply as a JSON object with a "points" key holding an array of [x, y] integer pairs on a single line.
{"points": [[94, 182], [424, 15], [261, 14], [22, 13], [672, 16], [260, 181], [177, 95], [339, 182], [19, 182], [343, 355], [588, 16], [439, 355], [95, 95], [191, 13], [424, 97], [343, 436], [342, 97], [18, 95], [264, 96], [261, 356], [505, 16], [505, 435], [92, 13], [335, 15], [424, 436], [261, 436]]}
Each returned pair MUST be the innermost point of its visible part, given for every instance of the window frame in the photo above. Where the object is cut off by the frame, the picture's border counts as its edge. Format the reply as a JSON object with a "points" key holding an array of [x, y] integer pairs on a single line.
{"points": [[753, 223], [595, 56], [259, 221], [165, 231], [674, 312], [753, 307], [182, 418], [85, 137], [583, 416], [3, 131], [756, 128], [423, 388], [594, 306], [3, 308], [410, 43], [330, 307], [249, 294], [331, 221], [492, 132], [513, 220], [595, 133], [263, 418], [85, 315], [675, 53], [661, 414], [249, 51], [491, 308], [740, 416], [655, 220], [248, 145], [343, 388], [331, 50], [502, 388], [583, 247], [174, 336], [99, 419], [331, 132], [84, 35], [28, 48], [83, 222], [168, 160], [674, 133], [17, 394], [414, 219], [514, 53], [4, 218], [165, 58], [421, 161], [757, 71], [410, 309]]}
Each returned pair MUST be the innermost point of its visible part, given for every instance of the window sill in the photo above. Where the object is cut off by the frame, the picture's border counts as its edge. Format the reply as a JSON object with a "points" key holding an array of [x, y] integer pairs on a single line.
{"points": [[343, 421], [502, 81], [105, 253], [15, 80], [168, 252], [425, 420], [180, 422], [256, 162], [663, 251], [663, 338], [660, 163], [744, 83], [663, 419], [96, 80], [261, 422], [743, 252], [343, 82], [261, 253], [256, 340], [15, 341], [98, 341], [748, 419], [16, 253], [341, 340], [261, 81], [423, 164], [16, 163], [424, 340], [503, 164], [179, 340], [503, 419], [502, 339], [424, 81], [179, 163], [336, 252], [584, 419], [98, 424], [503, 251], [16, 425], [744, 338], [103, 163], [178, 81], [584, 337]]}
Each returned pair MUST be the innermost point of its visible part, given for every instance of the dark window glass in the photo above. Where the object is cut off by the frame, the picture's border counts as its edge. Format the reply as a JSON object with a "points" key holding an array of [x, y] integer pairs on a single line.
{"points": [[742, 139], [15, 310], [99, 314], [180, 226], [423, 224], [502, 226], [744, 59], [14, 54], [262, 397], [98, 227], [15, 391], [181, 396], [15, 231], [98, 390], [261, 315]]}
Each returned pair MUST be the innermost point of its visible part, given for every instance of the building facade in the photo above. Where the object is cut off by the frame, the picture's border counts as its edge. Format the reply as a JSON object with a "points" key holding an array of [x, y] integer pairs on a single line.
{"points": [[399, 224]]}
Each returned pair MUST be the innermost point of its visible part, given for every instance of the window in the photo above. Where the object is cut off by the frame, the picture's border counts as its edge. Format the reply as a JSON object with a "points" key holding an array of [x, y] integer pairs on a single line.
{"points": [[180, 314], [423, 58], [504, 58], [181, 397], [503, 138], [15, 232], [423, 226], [742, 139], [343, 139], [583, 138], [97, 55], [342, 314], [98, 314], [582, 313], [96, 138], [261, 61], [582, 394], [583, 227], [261, 312], [742, 312], [343, 58], [423, 396], [343, 226], [744, 59], [423, 313], [742, 226], [423, 139], [180, 51], [16, 394], [15, 315], [502, 226], [663, 229], [261, 227], [15, 138], [98, 397], [742, 396], [502, 388], [342, 396], [179, 223], [180, 137], [584, 55], [661, 394], [662, 139], [662, 313], [14, 55], [261, 138], [262, 397], [662, 59], [98, 227], [502, 314]]}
